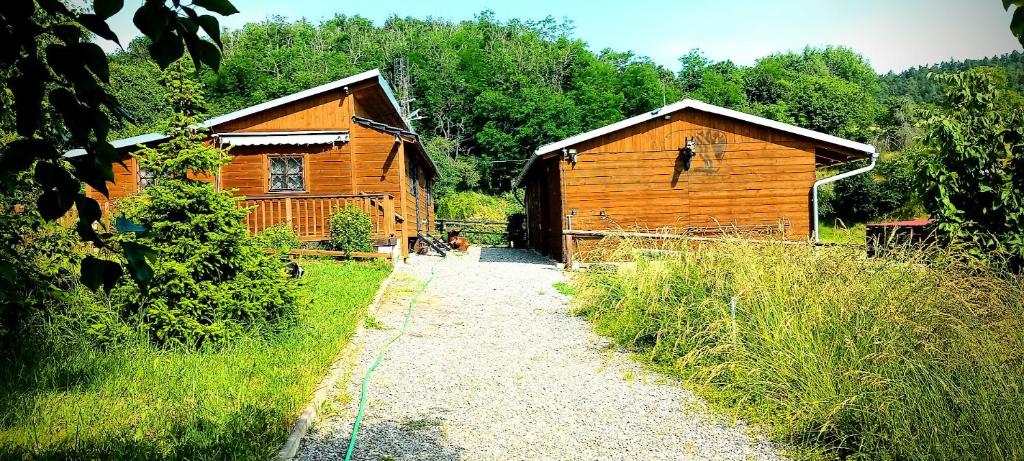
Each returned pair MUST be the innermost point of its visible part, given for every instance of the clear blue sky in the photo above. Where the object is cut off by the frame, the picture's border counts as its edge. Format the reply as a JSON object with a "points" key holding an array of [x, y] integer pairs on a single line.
{"points": [[892, 34]]}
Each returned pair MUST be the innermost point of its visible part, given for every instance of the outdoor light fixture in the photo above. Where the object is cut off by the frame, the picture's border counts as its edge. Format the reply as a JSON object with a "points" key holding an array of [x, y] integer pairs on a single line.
{"points": [[570, 155], [688, 153]]}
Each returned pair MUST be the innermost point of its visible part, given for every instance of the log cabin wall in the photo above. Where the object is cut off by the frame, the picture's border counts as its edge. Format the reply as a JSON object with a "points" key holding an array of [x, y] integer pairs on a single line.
{"points": [[126, 182], [744, 175]]}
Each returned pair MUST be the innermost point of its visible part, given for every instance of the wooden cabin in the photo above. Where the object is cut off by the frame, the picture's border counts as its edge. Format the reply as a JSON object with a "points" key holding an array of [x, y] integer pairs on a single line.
{"points": [[687, 168], [297, 158]]}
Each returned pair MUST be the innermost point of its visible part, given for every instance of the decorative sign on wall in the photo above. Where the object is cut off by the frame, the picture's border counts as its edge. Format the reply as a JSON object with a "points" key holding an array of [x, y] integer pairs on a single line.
{"points": [[700, 151]]}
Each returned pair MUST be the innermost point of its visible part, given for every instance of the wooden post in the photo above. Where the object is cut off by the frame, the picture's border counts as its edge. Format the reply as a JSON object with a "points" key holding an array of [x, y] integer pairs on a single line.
{"points": [[567, 251], [288, 211], [389, 217], [403, 191]]}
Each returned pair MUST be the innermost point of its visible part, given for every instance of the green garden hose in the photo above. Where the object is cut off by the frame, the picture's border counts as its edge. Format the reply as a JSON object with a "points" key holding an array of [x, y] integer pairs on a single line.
{"points": [[380, 357]]}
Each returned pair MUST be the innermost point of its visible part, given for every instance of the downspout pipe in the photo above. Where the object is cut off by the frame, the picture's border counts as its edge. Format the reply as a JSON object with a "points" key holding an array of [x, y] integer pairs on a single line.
{"points": [[831, 179]]}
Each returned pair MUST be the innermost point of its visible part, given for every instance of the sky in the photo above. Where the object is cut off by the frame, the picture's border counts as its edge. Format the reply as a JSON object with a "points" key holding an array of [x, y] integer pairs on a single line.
{"points": [[891, 34]]}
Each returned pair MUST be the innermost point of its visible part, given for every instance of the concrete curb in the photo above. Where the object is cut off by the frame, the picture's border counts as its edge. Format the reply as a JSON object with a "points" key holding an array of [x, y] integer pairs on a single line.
{"points": [[337, 372]]}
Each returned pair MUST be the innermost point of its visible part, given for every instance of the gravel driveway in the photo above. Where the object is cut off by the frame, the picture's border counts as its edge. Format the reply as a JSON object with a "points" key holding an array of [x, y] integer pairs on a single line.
{"points": [[494, 367]]}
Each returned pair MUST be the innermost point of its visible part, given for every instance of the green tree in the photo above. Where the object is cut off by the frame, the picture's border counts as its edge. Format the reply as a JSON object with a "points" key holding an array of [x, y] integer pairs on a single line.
{"points": [[211, 280], [832, 105], [455, 172], [58, 97], [973, 184]]}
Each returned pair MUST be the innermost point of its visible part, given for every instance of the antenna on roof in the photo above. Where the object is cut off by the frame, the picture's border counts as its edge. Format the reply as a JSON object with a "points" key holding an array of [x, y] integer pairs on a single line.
{"points": [[414, 115]]}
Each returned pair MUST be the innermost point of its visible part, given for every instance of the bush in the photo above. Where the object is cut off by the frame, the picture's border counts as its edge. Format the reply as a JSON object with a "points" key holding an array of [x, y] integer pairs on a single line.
{"points": [[210, 280], [860, 358], [280, 237], [351, 230], [39, 260], [973, 183], [474, 206], [887, 192], [471, 205]]}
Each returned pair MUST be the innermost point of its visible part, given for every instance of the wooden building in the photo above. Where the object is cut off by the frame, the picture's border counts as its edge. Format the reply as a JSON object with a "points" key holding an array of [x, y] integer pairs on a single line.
{"points": [[687, 168], [297, 158]]}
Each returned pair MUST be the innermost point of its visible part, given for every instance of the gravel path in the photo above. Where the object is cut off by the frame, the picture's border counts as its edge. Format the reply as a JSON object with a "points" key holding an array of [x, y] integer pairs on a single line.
{"points": [[494, 367]]}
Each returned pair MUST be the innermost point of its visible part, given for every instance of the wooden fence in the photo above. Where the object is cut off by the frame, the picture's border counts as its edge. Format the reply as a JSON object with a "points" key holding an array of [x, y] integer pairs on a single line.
{"points": [[309, 215], [476, 231]]}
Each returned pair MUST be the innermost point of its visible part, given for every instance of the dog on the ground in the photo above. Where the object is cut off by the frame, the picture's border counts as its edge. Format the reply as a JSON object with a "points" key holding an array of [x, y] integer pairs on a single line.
{"points": [[456, 241]]}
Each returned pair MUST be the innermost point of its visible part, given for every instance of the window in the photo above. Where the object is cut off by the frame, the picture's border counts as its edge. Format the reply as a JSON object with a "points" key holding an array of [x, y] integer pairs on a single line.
{"points": [[146, 178], [286, 174]]}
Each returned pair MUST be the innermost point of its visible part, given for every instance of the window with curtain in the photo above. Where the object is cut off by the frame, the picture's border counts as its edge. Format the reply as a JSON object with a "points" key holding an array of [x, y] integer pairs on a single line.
{"points": [[286, 174]]}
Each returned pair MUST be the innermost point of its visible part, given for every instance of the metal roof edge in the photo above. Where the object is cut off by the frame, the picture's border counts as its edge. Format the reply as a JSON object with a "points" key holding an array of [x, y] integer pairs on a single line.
{"points": [[710, 108], [352, 79], [120, 143]]}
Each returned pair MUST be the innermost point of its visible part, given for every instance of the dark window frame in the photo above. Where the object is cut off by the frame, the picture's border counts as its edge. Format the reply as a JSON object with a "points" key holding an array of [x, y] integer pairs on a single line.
{"points": [[301, 173]]}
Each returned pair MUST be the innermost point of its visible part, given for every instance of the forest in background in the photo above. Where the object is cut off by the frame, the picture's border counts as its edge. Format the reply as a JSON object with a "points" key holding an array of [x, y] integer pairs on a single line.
{"points": [[487, 92]]}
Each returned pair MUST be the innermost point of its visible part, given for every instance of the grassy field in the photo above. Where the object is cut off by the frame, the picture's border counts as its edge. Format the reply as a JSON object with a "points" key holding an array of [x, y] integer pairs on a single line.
{"points": [[841, 356], [137, 402], [856, 234]]}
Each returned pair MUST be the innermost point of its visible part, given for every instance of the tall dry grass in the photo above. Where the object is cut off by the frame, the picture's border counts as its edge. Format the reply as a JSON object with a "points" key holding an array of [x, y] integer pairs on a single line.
{"points": [[915, 356]]}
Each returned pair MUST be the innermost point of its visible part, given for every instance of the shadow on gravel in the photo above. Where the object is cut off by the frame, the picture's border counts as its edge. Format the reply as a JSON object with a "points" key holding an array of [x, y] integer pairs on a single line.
{"points": [[512, 255], [413, 439]]}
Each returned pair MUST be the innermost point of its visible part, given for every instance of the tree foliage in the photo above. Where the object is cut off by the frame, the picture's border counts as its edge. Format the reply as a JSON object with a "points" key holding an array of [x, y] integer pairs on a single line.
{"points": [[210, 279], [58, 98], [973, 184]]}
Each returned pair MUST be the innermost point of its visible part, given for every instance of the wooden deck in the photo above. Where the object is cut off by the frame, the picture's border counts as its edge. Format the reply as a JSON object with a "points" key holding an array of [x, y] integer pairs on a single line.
{"points": [[309, 215]]}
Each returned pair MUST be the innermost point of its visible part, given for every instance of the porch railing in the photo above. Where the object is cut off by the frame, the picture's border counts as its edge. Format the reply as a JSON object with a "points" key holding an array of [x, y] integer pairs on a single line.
{"points": [[309, 215]]}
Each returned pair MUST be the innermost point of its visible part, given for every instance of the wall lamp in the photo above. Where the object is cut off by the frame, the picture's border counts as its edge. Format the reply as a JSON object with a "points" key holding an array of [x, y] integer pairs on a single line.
{"points": [[569, 155]]}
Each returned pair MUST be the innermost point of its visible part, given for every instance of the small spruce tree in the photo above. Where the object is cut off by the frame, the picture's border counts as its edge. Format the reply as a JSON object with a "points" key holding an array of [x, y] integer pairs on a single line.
{"points": [[211, 280]]}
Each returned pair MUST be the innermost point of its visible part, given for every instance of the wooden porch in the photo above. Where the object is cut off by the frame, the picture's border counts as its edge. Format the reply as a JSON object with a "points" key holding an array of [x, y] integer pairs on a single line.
{"points": [[309, 215]]}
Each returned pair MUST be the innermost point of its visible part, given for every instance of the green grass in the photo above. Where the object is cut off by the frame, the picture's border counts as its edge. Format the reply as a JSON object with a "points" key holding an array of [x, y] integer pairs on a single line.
{"points": [[137, 402], [856, 234], [838, 355], [564, 288]]}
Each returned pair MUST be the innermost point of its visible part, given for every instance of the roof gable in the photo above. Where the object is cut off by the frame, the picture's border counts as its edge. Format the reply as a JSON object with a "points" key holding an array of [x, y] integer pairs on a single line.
{"points": [[709, 108], [317, 90]]}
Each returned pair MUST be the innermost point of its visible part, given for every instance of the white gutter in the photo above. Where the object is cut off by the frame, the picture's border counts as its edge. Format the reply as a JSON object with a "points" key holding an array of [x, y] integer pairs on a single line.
{"points": [[831, 179]]}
